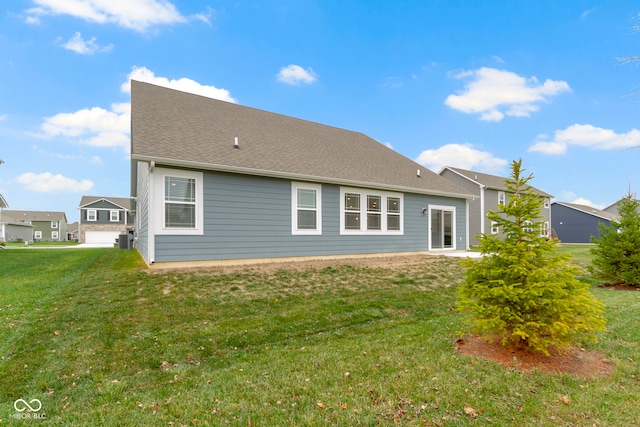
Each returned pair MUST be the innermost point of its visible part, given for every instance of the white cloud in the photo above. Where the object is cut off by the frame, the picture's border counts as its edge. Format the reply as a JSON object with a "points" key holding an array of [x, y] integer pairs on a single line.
{"points": [[586, 136], [48, 183], [295, 74], [494, 93], [462, 156], [143, 74], [99, 127], [138, 15], [92, 126], [571, 197], [85, 47], [3, 117]]}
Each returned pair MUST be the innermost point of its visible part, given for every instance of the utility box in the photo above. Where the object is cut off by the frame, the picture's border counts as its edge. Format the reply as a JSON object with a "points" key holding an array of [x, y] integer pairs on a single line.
{"points": [[123, 241]]}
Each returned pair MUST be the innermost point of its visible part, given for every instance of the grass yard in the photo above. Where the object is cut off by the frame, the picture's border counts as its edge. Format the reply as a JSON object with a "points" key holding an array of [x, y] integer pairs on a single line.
{"points": [[100, 341]]}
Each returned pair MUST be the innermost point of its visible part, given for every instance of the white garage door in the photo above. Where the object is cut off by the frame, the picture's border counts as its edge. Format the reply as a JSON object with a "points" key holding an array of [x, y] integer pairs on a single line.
{"points": [[101, 237]]}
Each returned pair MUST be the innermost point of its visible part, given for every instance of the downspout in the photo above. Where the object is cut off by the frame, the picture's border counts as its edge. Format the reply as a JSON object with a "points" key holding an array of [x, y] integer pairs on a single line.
{"points": [[151, 229], [482, 212]]}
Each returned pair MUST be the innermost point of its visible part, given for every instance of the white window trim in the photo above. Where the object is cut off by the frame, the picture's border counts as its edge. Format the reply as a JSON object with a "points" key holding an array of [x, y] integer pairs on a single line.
{"points": [[158, 199], [547, 203], [55, 235], [363, 212], [54, 224], [502, 195], [494, 227], [37, 234], [294, 208], [117, 219], [95, 215], [451, 209]]}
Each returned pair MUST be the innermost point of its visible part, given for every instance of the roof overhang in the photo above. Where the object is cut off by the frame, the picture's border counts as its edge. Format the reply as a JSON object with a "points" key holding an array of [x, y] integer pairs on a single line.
{"points": [[292, 176]]}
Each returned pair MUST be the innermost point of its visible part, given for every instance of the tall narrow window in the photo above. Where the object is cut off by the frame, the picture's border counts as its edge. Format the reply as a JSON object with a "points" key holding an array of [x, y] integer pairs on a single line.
{"points": [[306, 215], [374, 212], [494, 227], [180, 202], [393, 213], [502, 198], [352, 211], [114, 216]]}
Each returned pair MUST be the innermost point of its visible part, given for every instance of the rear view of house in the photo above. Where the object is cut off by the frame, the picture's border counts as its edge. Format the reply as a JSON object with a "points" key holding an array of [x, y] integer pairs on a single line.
{"points": [[576, 223], [213, 180], [35, 226], [103, 219]]}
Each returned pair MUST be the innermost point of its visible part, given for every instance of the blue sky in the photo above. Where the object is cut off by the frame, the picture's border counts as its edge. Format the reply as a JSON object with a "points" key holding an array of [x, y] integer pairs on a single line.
{"points": [[471, 84]]}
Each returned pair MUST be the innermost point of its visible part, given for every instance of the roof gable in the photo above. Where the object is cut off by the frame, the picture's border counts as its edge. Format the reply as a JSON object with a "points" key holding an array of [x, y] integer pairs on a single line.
{"points": [[105, 202], [493, 182], [182, 129]]}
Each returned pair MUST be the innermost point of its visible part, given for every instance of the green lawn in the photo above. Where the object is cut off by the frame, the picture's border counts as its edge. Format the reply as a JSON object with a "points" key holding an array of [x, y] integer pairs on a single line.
{"points": [[99, 341]]}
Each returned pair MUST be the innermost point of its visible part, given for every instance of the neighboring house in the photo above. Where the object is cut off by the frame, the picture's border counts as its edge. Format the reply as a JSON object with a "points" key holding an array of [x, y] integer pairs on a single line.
{"points": [[575, 223], [103, 219], [489, 191], [45, 226], [613, 208], [215, 180], [73, 230]]}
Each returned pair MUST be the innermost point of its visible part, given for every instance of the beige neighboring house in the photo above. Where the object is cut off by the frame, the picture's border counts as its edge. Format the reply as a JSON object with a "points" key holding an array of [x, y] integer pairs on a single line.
{"points": [[103, 219], [490, 191], [42, 226], [73, 231]]}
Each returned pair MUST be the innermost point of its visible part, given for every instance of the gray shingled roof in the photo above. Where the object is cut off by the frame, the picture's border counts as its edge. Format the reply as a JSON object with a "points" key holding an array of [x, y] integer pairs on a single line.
{"points": [[589, 210], [16, 215], [490, 181], [182, 129], [123, 202]]}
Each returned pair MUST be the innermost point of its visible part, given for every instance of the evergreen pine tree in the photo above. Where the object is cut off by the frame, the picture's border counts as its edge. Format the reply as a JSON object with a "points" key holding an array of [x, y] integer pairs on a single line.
{"points": [[616, 256], [522, 291]]}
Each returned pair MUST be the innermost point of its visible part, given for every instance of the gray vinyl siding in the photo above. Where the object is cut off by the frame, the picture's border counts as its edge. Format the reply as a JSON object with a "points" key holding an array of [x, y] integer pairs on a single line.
{"points": [[475, 207], [141, 234], [574, 226], [250, 217]]}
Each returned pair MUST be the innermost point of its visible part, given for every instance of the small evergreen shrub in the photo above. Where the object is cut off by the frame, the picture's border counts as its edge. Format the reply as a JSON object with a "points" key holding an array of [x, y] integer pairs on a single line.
{"points": [[522, 291], [616, 256]]}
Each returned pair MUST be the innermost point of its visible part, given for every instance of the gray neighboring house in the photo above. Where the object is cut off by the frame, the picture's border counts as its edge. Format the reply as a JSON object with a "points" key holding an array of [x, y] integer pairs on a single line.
{"points": [[73, 231], [613, 208], [44, 226], [575, 223], [103, 219], [213, 180], [13, 231], [489, 191]]}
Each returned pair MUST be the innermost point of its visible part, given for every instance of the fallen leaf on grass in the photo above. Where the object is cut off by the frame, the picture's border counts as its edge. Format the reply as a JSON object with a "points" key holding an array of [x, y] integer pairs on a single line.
{"points": [[470, 411], [565, 400], [320, 404]]}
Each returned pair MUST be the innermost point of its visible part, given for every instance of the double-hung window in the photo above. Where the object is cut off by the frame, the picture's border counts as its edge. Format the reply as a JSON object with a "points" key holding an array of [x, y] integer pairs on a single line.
{"points": [[54, 224], [370, 212], [179, 202], [92, 215], [178, 198], [114, 216], [306, 215], [502, 198]]}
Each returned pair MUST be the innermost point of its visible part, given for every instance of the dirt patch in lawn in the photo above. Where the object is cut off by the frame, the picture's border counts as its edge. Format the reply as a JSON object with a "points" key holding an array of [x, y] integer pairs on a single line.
{"points": [[406, 263], [578, 362]]}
